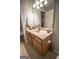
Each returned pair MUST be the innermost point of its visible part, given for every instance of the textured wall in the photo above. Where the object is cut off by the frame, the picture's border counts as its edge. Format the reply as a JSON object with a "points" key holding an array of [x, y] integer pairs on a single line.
{"points": [[56, 27]]}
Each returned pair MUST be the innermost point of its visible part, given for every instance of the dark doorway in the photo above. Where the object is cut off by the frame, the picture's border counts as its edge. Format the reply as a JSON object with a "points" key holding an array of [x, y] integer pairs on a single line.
{"points": [[21, 32]]}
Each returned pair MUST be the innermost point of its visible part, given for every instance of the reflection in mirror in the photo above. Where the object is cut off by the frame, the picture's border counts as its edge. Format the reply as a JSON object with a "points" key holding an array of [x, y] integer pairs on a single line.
{"points": [[43, 12]]}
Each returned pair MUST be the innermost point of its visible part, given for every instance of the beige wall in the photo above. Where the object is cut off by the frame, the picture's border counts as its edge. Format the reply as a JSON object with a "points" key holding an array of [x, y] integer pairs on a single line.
{"points": [[27, 13], [56, 27]]}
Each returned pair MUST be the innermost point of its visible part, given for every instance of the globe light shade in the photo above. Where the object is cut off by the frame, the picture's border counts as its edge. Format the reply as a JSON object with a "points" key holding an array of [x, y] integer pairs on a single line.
{"points": [[41, 5], [37, 2], [38, 7], [34, 5], [45, 2], [41, 0]]}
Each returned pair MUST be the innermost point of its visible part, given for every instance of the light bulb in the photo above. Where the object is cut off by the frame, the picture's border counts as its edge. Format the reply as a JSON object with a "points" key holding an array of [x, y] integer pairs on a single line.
{"points": [[41, 0], [45, 2], [37, 3], [41, 5], [34, 5], [38, 7]]}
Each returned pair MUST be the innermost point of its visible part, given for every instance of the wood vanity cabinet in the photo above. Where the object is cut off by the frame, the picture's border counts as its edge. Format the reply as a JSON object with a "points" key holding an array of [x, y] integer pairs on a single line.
{"points": [[40, 45]]}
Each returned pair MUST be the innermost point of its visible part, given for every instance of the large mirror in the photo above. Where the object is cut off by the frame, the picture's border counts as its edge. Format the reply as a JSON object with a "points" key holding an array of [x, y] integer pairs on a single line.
{"points": [[43, 13]]}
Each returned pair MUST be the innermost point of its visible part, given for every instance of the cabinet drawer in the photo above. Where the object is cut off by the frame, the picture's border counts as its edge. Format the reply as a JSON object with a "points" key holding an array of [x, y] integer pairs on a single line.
{"points": [[37, 39]]}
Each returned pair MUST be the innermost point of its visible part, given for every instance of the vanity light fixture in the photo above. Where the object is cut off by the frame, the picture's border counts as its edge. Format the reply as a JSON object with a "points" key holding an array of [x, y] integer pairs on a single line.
{"points": [[34, 5], [41, 1], [38, 7], [45, 2], [41, 5], [37, 2]]}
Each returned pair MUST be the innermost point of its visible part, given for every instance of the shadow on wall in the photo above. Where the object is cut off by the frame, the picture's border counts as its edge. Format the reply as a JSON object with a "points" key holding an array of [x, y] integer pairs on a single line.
{"points": [[56, 26]]}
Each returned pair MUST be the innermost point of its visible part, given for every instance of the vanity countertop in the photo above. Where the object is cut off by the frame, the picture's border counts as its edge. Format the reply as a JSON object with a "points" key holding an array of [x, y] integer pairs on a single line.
{"points": [[41, 34]]}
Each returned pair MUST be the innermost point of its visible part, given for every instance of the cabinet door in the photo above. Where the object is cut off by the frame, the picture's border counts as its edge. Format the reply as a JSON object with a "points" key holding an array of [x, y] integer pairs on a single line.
{"points": [[45, 47], [37, 46], [30, 38]]}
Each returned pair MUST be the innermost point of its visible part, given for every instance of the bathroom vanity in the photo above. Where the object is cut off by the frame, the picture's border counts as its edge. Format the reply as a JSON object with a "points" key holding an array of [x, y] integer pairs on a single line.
{"points": [[39, 39]]}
